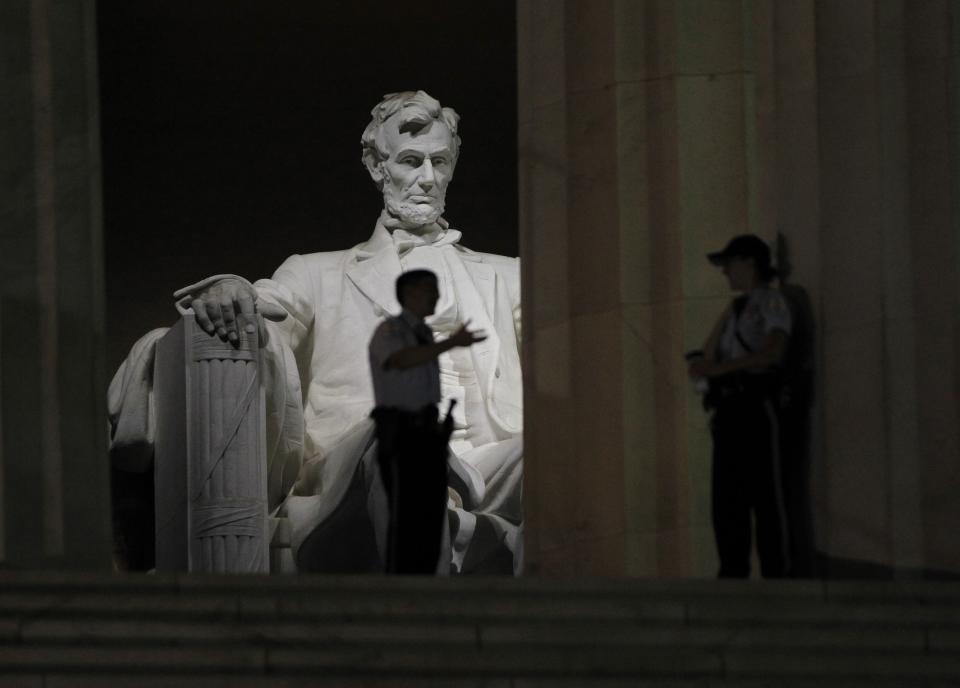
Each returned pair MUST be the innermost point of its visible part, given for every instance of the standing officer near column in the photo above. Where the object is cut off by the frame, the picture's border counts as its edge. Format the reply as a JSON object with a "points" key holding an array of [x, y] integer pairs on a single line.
{"points": [[412, 444], [740, 360]]}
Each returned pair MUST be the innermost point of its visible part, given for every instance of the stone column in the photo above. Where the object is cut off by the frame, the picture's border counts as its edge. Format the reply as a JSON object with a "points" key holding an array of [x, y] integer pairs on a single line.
{"points": [[879, 254], [932, 76], [652, 131], [54, 491], [865, 304], [634, 163]]}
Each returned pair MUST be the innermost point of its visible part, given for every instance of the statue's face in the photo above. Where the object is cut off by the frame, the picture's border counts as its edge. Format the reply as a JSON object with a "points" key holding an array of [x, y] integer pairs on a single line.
{"points": [[417, 171]]}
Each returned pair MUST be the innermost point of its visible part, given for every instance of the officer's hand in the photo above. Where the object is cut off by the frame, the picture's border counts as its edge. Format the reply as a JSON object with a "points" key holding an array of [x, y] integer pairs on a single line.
{"points": [[464, 337], [217, 305]]}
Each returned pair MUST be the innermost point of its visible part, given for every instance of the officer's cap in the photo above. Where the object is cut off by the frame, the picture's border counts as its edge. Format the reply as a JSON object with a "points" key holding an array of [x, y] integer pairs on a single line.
{"points": [[743, 246], [747, 246]]}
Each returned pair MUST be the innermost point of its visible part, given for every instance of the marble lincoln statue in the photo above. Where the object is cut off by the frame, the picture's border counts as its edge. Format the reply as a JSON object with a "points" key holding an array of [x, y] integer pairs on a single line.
{"points": [[319, 311]]}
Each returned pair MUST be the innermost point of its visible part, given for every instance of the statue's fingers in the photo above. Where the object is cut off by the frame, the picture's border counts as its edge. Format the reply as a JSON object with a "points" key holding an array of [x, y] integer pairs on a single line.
{"points": [[248, 311], [229, 318], [200, 313], [262, 333], [271, 311], [216, 317]]}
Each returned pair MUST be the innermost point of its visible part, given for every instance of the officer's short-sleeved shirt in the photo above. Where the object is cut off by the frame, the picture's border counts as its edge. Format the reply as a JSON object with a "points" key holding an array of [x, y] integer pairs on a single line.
{"points": [[411, 389], [765, 311]]}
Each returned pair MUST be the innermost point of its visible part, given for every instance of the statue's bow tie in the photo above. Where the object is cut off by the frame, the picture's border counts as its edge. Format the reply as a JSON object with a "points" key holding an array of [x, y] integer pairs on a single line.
{"points": [[406, 241]]}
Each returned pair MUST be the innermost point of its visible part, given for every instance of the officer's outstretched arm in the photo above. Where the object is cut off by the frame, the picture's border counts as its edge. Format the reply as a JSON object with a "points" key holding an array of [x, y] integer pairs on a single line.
{"points": [[414, 356]]}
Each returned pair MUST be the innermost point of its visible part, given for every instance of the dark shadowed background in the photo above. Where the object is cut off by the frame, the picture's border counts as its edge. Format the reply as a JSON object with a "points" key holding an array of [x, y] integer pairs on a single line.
{"points": [[231, 133]]}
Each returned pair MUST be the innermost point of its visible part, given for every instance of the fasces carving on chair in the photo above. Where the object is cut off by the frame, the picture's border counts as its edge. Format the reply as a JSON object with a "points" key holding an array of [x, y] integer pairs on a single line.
{"points": [[210, 455]]}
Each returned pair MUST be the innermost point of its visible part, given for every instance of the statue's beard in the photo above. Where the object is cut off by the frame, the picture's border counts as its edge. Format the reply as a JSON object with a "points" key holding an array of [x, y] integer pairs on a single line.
{"points": [[410, 215], [414, 214]]}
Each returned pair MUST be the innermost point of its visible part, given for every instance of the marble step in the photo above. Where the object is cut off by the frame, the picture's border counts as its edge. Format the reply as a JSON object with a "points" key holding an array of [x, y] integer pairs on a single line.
{"points": [[487, 598], [489, 636], [180, 630], [115, 680], [376, 661], [448, 604]]}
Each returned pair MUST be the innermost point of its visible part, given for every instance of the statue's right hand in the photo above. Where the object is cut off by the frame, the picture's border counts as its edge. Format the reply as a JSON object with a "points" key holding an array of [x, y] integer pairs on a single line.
{"points": [[217, 302]]}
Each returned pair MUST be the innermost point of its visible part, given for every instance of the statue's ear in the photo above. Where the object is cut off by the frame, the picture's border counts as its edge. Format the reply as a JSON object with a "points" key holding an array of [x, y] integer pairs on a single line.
{"points": [[374, 166]]}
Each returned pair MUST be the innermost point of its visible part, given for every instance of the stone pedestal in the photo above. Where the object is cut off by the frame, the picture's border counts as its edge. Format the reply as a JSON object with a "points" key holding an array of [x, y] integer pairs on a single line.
{"points": [[54, 483]]}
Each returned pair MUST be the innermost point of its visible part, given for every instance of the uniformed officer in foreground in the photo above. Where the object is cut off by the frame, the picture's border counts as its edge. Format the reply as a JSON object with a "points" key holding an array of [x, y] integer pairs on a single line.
{"points": [[412, 442], [740, 362]]}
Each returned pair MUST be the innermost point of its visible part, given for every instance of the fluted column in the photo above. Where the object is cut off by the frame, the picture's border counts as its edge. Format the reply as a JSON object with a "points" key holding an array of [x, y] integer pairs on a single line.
{"points": [[54, 495], [634, 145]]}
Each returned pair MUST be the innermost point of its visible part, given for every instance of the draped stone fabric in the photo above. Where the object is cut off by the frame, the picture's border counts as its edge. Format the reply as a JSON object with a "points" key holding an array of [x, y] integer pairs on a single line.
{"points": [[322, 476], [337, 299]]}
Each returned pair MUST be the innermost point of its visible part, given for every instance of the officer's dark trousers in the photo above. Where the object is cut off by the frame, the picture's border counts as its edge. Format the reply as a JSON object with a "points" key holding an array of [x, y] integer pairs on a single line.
{"points": [[746, 479], [412, 453]]}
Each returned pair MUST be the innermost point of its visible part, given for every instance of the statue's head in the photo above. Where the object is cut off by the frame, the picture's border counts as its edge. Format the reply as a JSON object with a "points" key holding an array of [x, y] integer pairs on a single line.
{"points": [[410, 149]]}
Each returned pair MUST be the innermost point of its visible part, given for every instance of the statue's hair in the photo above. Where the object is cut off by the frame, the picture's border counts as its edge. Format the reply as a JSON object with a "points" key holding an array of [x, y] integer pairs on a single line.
{"points": [[417, 109]]}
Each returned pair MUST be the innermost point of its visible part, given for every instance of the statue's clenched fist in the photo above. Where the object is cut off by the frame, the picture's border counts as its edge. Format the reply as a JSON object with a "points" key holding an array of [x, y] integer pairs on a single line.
{"points": [[218, 301]]}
